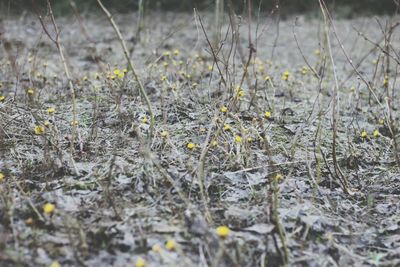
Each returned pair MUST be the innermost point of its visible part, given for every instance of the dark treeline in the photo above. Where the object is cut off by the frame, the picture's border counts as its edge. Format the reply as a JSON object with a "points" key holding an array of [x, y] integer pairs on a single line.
{"points": [[348, 7]]}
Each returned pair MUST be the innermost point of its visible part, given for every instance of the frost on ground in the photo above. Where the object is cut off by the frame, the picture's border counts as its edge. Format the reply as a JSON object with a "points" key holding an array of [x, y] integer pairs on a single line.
{"points": [[121, 199]]}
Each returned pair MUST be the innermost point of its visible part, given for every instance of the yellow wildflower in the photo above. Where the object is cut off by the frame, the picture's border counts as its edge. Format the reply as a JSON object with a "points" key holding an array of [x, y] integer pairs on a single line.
{"points": [[223, 231], [214, 143], [49, 208], [2, 177], [285, 76], [85, 78], [386, 81], [30, 91], [227, 127], [156, 248], [191, 146], [238, 139], [210, 68], [164, 134], [176, 52], [145, 120], [267, 78], [317, 52], [278, 177], [55, 264], [119, 74], [224, 109], [376, 133], [140, 262], [39, 130], [74, 123], [170, 245], [364, 134], [51, 110], [268, 115], [2, 98], [240, 92]]}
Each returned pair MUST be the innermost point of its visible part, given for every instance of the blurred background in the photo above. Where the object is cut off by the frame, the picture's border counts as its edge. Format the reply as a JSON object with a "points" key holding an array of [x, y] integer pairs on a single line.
{"points": [[342, 8]]}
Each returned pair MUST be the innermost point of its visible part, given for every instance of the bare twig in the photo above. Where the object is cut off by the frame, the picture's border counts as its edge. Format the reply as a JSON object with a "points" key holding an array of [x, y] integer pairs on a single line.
{"points": [[132, 68]]}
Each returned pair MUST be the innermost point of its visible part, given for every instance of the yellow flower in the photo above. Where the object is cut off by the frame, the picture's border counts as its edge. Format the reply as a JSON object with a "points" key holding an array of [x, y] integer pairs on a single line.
{"points": [[85, 78], [167, 54], [46, 123], [140, 262], [249, 139], [191, 146], [224, 109], [74, 123], [96, 75], [2, 177], [30, 91], [239, 91], [210, 68], [45, 65], [39, 130], [317, 52], [163, 78], [170, 245], [145, 120], [381, 121], [176, 52], [285, 76], [278, 177], [164, 134], [156, 248], [2, 98], [386, 81], [51, 110], [125, 71], [49, 208], [55, 264], [304, 70], [227, 127], [119, 74], [214, 143], [364, 134], [238, 139], [223, 231], [268, 115], [376, 133], [267, 78], [165, 64]]}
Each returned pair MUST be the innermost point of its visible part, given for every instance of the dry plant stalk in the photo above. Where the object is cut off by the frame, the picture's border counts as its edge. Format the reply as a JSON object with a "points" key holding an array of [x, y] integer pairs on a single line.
{"points": [[386, 52], [131, 66], [57, 41], [337, 171]]}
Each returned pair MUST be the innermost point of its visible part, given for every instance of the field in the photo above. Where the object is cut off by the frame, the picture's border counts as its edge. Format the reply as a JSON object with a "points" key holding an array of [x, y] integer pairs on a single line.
{"points": [[273, 144]]}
